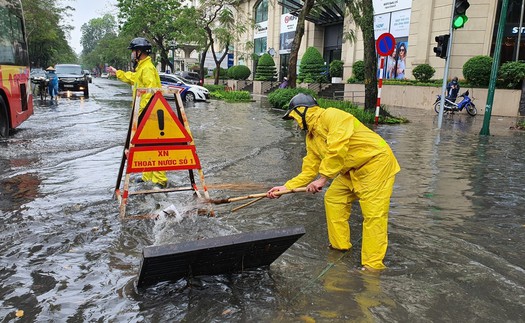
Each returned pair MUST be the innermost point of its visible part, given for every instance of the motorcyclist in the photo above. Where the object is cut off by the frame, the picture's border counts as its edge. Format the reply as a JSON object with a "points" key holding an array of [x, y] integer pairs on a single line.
{"points": [[144, 76], [452, 89]]}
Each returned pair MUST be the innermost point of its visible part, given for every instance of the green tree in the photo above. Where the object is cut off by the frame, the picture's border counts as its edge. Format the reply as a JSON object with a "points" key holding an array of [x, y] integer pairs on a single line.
{"points": [[296, 44], [218, 22], [362, 12], [95, 30], [102, 45], [156, 20], [46, 36]]}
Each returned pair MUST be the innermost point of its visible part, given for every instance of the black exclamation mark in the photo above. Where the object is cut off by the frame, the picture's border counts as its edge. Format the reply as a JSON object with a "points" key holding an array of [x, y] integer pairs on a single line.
{"points": [[160, 118]]}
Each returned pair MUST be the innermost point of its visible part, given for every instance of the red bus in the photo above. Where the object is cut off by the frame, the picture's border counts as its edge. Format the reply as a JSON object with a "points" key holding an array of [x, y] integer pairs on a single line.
{"points": [[16, 100]]}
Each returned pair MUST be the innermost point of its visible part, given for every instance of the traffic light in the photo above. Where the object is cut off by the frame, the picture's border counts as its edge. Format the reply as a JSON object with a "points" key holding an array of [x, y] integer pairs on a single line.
{"points": [[442, 45], [460, 18]]}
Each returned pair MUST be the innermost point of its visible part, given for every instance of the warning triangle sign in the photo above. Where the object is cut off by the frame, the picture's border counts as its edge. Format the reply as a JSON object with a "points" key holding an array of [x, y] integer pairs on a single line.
{"points": [[160, 124]]}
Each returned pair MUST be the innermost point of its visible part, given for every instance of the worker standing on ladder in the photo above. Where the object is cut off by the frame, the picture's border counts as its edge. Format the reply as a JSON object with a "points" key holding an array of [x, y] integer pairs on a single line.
{"points": [[144, 76]]}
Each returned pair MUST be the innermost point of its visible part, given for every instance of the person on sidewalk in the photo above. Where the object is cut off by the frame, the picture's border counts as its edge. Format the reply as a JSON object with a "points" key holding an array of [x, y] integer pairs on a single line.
{"points": [[361, 166], [144, 76], [284, 84]]}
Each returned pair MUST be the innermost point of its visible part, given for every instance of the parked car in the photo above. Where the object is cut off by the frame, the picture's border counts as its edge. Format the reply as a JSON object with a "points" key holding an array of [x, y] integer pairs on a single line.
{"points": [[188, 92], [71, 78], [190, 76], [104, 75], [87, 73]]}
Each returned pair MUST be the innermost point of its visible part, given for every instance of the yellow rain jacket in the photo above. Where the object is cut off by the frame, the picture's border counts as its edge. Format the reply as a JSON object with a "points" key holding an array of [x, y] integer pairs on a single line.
{"points": [[338, 143], [145, 76], [362, 167]]}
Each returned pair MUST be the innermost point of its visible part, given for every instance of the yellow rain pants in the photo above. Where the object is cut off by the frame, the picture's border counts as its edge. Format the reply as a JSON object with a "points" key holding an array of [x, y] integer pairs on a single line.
{"points": [[362, 167], [145, 76], [374, 204]]}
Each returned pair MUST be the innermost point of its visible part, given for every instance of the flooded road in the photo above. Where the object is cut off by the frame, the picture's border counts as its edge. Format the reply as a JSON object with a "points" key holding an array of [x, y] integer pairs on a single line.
{"points": [[456, 231]]}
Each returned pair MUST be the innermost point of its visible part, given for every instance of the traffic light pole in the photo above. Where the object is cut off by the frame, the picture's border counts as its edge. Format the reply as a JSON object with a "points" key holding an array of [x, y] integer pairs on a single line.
{"points": [[445, 74]]}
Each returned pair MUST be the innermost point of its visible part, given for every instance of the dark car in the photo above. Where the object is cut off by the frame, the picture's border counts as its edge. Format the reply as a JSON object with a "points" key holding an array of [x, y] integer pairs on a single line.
{"points": [[193, 77], [71, 77]]}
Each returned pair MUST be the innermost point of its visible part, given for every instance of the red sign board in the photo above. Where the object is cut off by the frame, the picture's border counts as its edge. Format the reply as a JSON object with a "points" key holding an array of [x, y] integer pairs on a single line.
{"points": [[158, 158]]}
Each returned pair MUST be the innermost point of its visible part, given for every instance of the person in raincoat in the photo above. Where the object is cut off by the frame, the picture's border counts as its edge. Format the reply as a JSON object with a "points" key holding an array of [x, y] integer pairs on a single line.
{"points": [[144, 76], [52, 82], [360, 165]]}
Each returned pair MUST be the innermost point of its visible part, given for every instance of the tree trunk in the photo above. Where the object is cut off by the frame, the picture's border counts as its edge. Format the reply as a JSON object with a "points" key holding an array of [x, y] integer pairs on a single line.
{"points": [[370, 57], [296, 44], [363, 13], [202, 61], [218, 62]]}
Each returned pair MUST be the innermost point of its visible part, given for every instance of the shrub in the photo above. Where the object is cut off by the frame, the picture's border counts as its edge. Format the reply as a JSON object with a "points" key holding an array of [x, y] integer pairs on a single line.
{"points": [[281, 97], [336, 68], [223, 73], [239, 72], [231, 96], [423, 72], [477, 70], [358, 71], [312, 68], [512, 74], [266, 70], [213, 87]]}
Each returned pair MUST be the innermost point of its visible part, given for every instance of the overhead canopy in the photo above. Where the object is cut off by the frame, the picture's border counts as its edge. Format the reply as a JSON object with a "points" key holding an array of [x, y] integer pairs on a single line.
{"points": [[326, 12]]}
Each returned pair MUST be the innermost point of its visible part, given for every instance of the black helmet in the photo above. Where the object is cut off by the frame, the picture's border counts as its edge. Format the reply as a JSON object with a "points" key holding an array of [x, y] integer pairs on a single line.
{"points": [[300, 100], [141, 44]]}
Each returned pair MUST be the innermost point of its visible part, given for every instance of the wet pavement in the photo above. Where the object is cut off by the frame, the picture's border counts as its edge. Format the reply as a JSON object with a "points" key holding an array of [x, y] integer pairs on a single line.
{"points": [[456, 231]]}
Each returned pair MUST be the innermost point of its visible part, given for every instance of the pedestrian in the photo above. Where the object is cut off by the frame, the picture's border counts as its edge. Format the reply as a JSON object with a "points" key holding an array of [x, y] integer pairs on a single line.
{"points": [[145, 75], [284, 84], [453, 89], [360, 165], [52, 82]]}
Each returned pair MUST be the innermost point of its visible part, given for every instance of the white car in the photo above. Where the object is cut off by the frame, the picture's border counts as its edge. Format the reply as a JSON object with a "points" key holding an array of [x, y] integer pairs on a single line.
{"points": [[104, 75], [188, 92]]}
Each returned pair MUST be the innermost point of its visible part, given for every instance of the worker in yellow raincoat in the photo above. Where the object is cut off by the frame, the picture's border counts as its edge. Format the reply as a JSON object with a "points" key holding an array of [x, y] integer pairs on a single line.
{"points": [[144, 76], [361, 166]]}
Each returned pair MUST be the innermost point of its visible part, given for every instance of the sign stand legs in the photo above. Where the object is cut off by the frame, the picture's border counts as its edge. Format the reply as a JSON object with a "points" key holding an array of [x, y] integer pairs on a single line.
{"points": [[145, 150]]}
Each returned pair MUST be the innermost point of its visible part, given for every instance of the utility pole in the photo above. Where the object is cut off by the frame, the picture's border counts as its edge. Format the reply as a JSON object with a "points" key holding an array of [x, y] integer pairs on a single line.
{"points": [[445, 74], [495, 67]]}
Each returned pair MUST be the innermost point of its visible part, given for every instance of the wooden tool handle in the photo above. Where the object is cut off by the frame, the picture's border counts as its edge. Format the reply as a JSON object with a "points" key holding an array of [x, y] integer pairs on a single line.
{"points": [[258, 195]]}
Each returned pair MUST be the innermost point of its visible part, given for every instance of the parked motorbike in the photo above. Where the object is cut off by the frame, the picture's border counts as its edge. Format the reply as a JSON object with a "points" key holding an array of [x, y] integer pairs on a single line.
{"points": [[451, 107]]}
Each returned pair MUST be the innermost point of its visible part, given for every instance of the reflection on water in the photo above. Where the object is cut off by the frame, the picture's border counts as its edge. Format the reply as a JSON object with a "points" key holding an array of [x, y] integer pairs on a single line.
{"points": [[455, 239]]}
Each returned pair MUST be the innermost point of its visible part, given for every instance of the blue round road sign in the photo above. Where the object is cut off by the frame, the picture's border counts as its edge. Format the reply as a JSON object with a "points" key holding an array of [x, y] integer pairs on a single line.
{"points": [[385, 44]]}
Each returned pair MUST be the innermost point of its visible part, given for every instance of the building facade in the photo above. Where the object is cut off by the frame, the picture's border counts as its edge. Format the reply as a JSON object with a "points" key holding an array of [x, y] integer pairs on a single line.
{"points": [[414, 24]]}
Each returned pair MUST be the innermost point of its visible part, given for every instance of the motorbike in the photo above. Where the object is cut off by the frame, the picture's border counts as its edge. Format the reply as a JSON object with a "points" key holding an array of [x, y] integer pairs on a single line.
{"points": [[451, 107]]}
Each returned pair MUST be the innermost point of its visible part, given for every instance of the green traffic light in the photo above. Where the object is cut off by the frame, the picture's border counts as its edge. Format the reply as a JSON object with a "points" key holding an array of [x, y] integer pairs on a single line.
{"points": [[459, 21]]}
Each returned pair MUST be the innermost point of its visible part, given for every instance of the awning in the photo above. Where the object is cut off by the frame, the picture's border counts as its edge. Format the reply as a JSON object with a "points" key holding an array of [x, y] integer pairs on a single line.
{"points": [[328, 13]]}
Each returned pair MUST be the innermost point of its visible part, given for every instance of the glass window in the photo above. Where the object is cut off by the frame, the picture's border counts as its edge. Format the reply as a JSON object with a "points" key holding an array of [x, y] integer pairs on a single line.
{"points": [[13, 49], [261, 11], [259, 45]]}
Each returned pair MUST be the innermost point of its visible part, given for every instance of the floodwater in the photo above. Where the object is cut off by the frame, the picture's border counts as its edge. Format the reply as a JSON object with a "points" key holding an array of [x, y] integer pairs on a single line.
{"points": [[456, 230]]}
